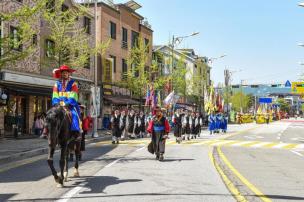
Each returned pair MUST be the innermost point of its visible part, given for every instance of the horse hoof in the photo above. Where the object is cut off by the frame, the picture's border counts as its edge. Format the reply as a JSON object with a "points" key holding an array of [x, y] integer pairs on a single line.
{"points": [[59, 185]]}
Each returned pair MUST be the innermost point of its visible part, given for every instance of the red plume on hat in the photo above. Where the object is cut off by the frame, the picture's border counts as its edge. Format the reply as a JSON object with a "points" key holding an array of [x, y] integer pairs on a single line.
{"points": [[57, 72]]}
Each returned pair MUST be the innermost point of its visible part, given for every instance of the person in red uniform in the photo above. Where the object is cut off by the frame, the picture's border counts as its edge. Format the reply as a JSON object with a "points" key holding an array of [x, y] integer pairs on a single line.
{"points": [[159, 128]]}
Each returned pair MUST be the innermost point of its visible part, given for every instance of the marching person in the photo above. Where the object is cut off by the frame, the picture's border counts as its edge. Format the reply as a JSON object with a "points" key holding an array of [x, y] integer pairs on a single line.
{"points": [[122, 124], [211, 121], [115, 123], [159, 129], [225, 123], [137, 123], [147, 121], [192, 125], [142, 118], [131, 124], [177, 121], [186, 125], [85, 128], [197, 125]]}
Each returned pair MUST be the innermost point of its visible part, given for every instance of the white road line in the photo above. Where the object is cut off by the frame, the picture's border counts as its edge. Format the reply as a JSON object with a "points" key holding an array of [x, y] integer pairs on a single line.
{"points": [[109, 165], [248, 137], [300, 146], [260, 144], [280, 145], [67, 196], [241, 143], [297, 153], [140, 149]]}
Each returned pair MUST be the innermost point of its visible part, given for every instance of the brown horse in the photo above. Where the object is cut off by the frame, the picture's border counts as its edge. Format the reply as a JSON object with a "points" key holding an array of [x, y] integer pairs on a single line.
{"points": [[58, 124]]}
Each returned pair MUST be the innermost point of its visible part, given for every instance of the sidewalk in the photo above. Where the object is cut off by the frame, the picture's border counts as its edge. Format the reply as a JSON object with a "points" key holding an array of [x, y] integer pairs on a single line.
{"points": [[18, 149]]}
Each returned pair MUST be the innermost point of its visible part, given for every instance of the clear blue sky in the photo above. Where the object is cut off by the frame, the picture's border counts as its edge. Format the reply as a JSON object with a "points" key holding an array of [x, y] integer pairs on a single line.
{"points": [[260, 37]]}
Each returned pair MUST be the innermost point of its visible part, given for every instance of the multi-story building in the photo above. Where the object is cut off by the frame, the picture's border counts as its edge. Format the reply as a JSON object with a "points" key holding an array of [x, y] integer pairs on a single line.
{"points": [[123, 26], [28, 83], [198, 70]]}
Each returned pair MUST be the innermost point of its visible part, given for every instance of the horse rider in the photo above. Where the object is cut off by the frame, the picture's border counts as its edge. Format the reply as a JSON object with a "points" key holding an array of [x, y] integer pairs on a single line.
{"points": [[65, 94]]}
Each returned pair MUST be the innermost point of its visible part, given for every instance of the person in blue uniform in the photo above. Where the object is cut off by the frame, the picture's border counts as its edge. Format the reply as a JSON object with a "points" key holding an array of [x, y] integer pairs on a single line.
{"points": [[211, 123]]}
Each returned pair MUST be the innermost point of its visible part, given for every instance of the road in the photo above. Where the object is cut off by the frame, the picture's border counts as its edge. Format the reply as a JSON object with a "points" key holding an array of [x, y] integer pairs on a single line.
{"points": [[251, 162]]}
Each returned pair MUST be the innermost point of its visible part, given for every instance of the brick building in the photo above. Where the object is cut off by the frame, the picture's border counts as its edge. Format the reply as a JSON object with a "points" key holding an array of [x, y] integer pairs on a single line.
{"points": [[28, 83], [123, 26]]}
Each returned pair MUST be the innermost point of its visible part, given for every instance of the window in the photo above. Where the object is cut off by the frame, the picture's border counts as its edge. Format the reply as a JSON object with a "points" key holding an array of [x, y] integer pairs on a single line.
{"points": [[50, 48], [135, 36], [64, 8], [15, 40], [114, 63], [124, 42], [88, 62], [112, 30], [147, 45], [87, 25], [34, 39], [124, 69]]}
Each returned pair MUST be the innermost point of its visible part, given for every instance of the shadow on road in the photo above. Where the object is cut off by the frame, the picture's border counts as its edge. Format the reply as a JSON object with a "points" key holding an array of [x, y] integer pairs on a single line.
{"points": [[97, 184], [39, 169]]}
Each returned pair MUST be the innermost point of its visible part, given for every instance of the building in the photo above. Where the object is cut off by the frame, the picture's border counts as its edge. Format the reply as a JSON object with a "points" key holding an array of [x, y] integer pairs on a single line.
{"points": [[28, 82], [197, 76], [122, 25]]}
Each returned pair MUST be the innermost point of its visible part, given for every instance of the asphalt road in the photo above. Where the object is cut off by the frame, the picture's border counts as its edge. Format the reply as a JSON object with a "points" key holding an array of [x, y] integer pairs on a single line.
{"points": [[276, 173], [251, 162]]}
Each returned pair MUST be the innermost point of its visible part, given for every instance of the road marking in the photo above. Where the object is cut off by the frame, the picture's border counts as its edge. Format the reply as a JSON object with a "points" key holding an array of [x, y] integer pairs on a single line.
{"points": [[221, 143], [248, 137], [236, 193], [280, 145], [254, 189], [297, 153], [140, 149], [109, 165], [260, 144], [240, 144], [67, 196]]}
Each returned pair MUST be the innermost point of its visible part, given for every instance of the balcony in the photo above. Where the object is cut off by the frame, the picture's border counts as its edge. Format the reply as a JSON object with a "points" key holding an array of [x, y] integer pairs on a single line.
{"points": [[124, 44]]}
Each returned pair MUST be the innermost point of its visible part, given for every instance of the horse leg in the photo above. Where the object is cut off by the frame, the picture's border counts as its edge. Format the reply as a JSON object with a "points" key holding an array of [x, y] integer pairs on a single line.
{"points": [[62, 164], [77, 156], [51, 164], [66, 165]]}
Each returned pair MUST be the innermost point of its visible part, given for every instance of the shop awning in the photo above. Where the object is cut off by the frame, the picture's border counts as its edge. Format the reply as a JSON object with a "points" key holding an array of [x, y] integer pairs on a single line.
{"points": [[120, 100], [28, 90]]}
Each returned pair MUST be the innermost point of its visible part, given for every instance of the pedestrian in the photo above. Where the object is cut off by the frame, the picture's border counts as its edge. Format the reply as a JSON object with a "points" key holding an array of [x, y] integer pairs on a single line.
{"points": [[115, 122], [186, 125], [130, 124], [147, 121], [177, 122], [159, 129], [122, 124], [267, 118], [197, 125], [225, 123], [38, 126]]}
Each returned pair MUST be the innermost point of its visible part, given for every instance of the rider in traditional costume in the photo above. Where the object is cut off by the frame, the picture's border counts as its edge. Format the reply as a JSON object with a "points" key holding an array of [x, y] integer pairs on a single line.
{"points": [[177, 121], [65, 94]]}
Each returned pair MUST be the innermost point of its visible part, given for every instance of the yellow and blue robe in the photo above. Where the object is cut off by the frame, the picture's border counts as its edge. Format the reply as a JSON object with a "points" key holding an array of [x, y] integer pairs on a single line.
{"points": [[68, 97]]}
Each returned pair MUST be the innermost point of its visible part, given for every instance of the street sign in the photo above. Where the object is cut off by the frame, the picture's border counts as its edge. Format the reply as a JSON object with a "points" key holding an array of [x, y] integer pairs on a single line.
{"points": [[265, 100], [297, 87]]}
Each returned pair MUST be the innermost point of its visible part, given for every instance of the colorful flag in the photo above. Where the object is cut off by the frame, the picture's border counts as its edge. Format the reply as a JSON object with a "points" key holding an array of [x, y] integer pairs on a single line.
{"points": [[169, 99]]}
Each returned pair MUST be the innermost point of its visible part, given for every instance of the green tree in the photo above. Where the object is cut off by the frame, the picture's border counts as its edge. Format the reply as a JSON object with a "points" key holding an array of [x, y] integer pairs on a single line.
{"points": [[18, 45], [178, 77], [69, 40], [284, 105], [240, 102]]}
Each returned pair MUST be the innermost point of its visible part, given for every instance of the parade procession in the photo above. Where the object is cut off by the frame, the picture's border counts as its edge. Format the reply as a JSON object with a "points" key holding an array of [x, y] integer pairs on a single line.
{"points": [[140, 100]]}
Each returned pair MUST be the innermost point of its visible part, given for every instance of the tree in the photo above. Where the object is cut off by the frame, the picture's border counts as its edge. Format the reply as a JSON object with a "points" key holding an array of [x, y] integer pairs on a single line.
{"points": [[240, 102], [284, 106], [19, 43], [68, 41], [178, 77]]}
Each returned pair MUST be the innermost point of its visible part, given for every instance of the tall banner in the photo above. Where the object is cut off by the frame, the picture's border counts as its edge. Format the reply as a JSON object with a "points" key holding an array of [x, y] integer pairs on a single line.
{"points": [[95, 104], [107, 70]]}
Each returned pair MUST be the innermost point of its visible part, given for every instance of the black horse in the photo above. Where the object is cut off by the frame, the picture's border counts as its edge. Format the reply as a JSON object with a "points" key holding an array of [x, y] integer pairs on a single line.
{"points": [[58, 124]]}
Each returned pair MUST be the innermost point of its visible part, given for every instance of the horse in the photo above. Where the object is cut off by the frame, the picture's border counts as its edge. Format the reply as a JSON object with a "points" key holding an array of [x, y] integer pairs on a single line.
{"points": [[58, 123]]}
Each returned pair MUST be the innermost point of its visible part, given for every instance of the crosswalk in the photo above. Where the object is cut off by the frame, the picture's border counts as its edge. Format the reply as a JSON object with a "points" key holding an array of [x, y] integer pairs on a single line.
{"points": [[217, 142]]}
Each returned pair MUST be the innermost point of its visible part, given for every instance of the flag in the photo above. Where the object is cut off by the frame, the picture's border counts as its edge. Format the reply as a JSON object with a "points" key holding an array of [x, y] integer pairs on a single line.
{"points": [[169, 99], [159, 98], [147, 103]]}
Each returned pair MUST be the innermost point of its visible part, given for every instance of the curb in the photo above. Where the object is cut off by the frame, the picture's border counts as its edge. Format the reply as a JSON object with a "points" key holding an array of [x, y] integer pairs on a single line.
{"points": [[40, 151]]}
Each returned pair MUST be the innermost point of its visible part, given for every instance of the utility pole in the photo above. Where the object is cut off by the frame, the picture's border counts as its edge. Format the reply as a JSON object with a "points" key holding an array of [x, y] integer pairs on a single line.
{"points": [[95, 133]]}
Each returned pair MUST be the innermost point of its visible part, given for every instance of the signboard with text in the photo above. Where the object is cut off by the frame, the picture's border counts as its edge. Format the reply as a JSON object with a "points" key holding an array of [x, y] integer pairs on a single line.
{"points": [[297, 87]]}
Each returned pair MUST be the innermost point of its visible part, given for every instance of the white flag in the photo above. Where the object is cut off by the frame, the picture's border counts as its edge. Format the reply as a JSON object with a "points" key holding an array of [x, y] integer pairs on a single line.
{"points": [[169, 99]]}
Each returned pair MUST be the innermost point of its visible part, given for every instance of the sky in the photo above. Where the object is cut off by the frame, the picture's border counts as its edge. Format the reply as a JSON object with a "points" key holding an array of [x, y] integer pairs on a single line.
{"points": [[260, 38]]}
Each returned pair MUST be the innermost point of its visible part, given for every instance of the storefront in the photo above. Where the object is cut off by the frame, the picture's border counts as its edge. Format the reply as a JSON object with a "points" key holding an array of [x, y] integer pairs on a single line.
{"points": [[29, 96]]}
